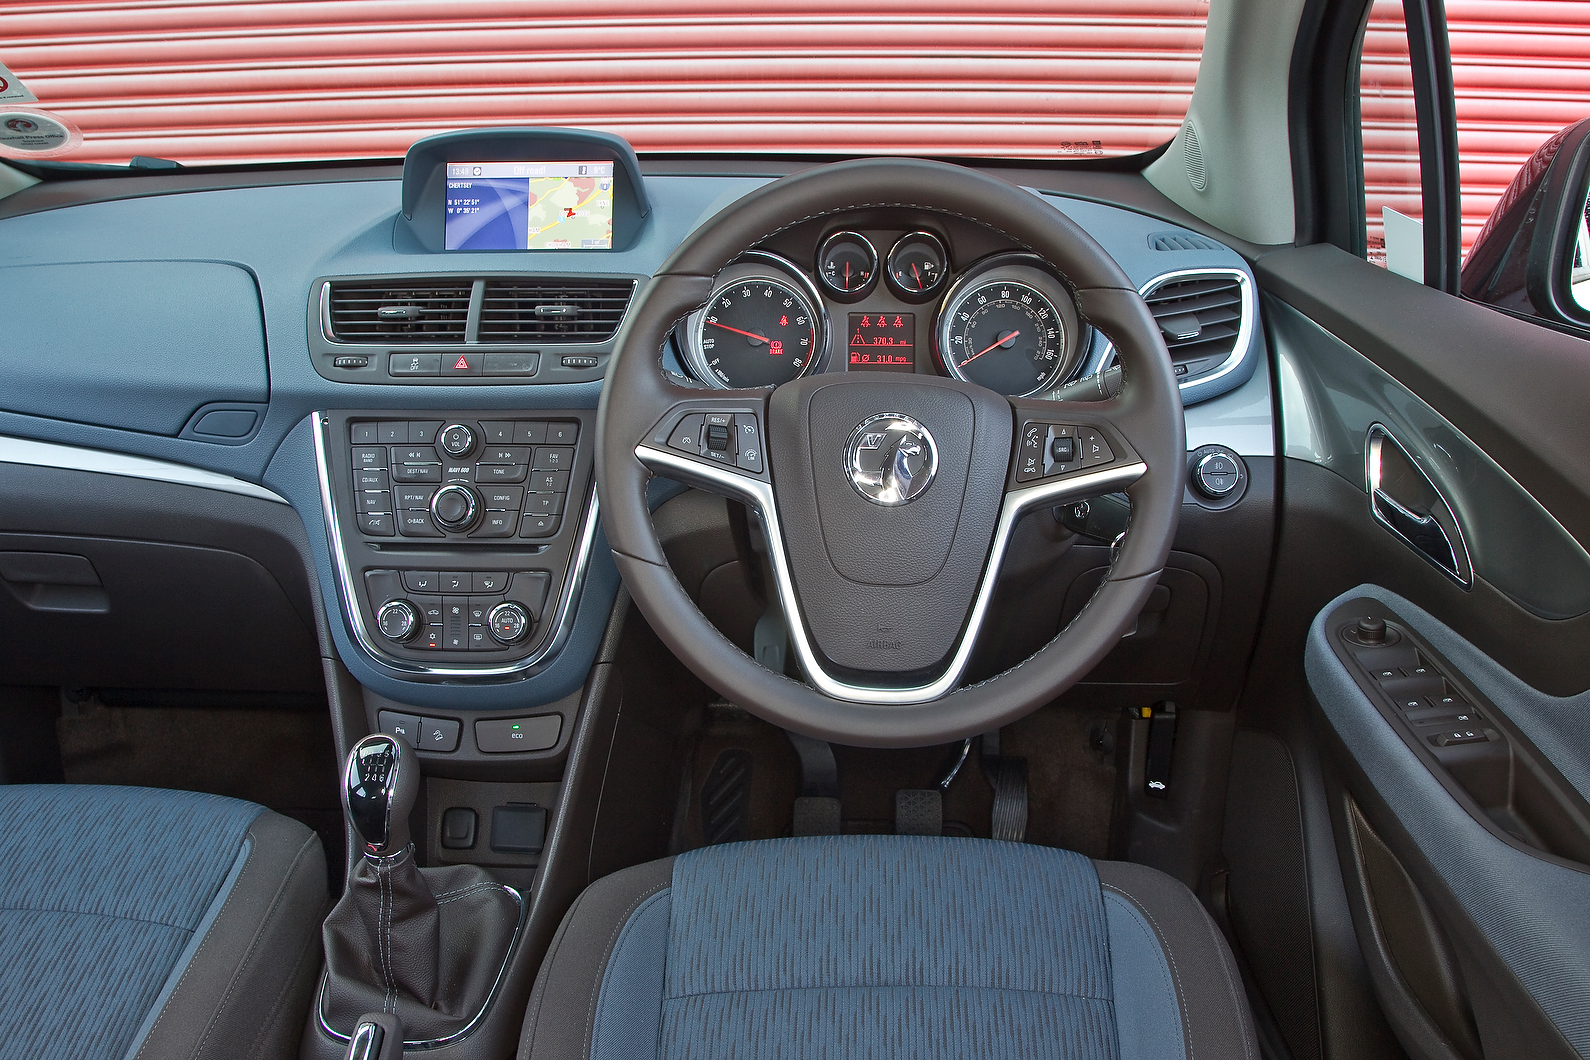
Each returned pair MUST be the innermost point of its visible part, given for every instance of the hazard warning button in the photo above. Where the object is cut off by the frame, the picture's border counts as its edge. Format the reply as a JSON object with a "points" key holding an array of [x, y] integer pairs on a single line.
{"points": [[461, 364]]}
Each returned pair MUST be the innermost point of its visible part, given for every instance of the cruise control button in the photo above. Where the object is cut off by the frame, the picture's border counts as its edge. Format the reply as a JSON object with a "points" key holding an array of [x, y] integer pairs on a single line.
{"points": [[497, 524], [554, 458], [414, 364], [544, 504], [539, 526], [749, 433], [377, 525], [417, 524], [687, 436], [421, 581], [501, 472], [503, 498], [549, 482], [529, 432], [489, 582]]}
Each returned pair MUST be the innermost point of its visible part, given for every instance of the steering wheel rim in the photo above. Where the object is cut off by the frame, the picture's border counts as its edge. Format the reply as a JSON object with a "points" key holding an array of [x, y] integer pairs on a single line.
{"points": [[639, 400]]}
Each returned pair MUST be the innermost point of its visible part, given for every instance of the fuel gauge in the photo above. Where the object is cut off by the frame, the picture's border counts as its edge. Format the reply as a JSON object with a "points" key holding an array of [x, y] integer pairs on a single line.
{"points": [[917, 266], [847, 266]]}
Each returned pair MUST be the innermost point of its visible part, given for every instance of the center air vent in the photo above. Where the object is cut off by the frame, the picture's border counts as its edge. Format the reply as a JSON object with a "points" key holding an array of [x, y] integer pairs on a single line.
{"points": [[424, 310], [533, 310], [1200, 316]]}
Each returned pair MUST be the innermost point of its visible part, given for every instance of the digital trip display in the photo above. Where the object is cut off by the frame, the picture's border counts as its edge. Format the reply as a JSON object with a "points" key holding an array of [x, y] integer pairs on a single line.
{"points": [[883, 342], [529, 206]]}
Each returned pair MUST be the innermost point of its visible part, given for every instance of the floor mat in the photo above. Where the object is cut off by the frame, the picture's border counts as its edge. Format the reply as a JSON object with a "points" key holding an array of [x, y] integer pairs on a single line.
{"points": [[281, 759]]}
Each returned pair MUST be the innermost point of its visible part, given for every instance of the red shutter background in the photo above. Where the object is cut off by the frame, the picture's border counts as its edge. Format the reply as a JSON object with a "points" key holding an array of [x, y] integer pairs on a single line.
{"points": [[240, 80]]}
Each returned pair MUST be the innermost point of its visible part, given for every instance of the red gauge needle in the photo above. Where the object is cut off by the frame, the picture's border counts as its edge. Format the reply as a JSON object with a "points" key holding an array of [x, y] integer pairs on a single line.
{"points": [[1004, 340], [847, 275], [755, 338], [918, 276]]}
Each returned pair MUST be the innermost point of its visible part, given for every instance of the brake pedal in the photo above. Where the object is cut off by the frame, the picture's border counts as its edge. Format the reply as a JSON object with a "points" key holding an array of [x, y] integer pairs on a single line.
{"points": [[1008, 777], [817, 811], [918, 811]]}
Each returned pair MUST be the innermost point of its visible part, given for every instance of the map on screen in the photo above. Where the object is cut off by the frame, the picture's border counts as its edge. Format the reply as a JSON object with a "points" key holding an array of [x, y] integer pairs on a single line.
{"points": [[529, 206]]}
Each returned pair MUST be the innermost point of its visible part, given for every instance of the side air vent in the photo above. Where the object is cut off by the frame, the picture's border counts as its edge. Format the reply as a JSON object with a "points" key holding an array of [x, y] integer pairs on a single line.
{"points": [[1201, 316], [425, 310], [1179, 241], [553, 311]]}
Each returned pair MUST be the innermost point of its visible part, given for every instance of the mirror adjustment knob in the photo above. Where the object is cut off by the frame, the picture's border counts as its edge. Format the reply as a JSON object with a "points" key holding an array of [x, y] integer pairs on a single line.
{"points": [[456, 439], [510, 623], [455, 507], [1371, 631], [398, 620]]}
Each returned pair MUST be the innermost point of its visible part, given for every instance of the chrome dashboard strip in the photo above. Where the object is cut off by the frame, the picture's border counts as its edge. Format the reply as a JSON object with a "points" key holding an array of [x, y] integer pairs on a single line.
{"points": [[101, 462], [759, 495], [563, 616]]}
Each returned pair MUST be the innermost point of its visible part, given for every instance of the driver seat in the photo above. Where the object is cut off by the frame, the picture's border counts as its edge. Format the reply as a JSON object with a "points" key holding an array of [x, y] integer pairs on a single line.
{"points": [[882, 946]]}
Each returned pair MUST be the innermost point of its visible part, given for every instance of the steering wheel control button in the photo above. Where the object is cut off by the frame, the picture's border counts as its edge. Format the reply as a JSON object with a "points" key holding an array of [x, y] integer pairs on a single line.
{"points": [[509, 735], [455, 507], [457, 439], [1095, 450], [687, 435], [1061, 451], [891, 459], [749, 433], [1029, 464], [509, 623], [398, 620]]}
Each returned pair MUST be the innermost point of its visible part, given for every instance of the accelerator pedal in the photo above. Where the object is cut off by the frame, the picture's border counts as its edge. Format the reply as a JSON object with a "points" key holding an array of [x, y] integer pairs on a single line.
{"points": [[1008, 777]]}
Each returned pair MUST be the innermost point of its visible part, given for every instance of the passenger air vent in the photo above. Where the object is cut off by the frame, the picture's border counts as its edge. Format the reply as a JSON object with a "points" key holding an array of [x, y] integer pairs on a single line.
{"points": [[1179, 241], [533, 310], [384, 312], [1201, 317]]}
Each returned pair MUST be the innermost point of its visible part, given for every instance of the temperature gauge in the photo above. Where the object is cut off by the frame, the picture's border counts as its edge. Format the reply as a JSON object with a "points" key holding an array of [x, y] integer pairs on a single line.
{"points": [[918, 265], [847, 266]]}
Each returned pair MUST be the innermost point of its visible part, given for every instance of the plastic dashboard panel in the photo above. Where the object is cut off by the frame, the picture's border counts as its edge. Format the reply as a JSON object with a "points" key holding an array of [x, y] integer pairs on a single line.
{"points": [[258, 232]]}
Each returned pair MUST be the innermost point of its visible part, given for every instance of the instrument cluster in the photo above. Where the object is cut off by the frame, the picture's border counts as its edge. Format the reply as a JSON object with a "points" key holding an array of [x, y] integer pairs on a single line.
{"points": [[888, 300]]}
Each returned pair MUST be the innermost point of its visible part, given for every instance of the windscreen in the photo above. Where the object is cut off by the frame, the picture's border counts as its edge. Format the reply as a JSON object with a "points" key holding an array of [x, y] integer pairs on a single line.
{"points": [[252, 81]]}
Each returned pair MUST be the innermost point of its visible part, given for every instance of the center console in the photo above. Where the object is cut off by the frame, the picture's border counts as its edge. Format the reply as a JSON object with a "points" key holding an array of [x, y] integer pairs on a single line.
{"points": [[459, 538]]}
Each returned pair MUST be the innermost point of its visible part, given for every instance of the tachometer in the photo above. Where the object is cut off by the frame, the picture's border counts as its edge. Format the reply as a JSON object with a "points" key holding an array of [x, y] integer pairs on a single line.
{"points": [[1011, 329], [758, 329]]}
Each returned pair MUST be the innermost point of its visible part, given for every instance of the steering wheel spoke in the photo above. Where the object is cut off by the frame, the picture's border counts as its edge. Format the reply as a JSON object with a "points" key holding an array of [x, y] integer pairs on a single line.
{"points": [[1067, 451], [716, 443]]}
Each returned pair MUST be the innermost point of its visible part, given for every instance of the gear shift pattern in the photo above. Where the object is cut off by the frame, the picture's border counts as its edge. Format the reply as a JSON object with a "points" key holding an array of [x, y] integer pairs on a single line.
{"points": [[378, 791]]}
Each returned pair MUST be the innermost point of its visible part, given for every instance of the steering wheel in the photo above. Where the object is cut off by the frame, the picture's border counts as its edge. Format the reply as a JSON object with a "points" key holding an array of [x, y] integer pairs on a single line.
{"points": [[836, 463]]}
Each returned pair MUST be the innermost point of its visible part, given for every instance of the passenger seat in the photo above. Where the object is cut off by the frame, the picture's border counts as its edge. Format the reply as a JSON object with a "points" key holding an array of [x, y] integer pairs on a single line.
{"points": [[138, 923]]}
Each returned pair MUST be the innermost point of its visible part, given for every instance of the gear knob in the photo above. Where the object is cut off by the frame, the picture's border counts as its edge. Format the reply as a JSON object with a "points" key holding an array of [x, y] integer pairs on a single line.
{"points": [[379, 787]]}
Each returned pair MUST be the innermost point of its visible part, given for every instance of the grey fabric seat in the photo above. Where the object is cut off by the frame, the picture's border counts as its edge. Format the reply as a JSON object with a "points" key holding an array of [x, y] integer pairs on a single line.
{"points": [[883, 946], [137, 923]]}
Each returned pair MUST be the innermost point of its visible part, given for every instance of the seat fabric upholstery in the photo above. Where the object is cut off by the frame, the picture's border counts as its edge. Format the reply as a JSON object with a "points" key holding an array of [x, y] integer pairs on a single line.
{"points": [[136, 922], [885, 946]]}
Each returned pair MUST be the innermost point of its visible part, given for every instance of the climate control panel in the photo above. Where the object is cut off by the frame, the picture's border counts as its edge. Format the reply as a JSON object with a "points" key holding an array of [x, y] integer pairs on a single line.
{"points": [[459, 536]]}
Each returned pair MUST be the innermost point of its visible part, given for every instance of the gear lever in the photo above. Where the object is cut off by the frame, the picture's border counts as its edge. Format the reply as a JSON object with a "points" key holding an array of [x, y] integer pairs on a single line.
{"points": [[378, 791]]}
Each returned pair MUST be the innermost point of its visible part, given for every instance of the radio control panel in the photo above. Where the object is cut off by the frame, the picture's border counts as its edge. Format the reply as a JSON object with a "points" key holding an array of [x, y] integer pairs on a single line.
{"points": [[458, 535]]}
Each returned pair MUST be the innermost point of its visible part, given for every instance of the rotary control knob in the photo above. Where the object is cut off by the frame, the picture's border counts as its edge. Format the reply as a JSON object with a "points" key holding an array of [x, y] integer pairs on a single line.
{"points": [[510, 623], [398, 620], [455, 507], [1216, 475], [456, 439]]}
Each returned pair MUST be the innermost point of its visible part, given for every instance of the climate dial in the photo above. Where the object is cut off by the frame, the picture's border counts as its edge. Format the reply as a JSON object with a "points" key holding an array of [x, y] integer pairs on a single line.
{"points": [[398, 620]]}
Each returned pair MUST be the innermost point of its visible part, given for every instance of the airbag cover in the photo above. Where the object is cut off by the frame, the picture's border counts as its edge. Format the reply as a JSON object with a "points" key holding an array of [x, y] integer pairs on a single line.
{"points": [[887, 588]]}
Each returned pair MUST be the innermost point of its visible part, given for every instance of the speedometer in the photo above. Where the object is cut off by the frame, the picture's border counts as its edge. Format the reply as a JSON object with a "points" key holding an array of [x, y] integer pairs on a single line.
{"points": [[1010, 329], [760, 328]]}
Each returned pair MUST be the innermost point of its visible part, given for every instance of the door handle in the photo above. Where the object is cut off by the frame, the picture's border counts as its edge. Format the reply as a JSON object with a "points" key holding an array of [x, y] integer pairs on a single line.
{"points": [[1404, 500]]}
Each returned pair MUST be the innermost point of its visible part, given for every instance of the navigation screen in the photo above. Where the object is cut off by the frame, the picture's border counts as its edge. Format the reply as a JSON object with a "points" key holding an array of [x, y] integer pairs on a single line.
{"points": [[529, 206], [883, 342]]}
